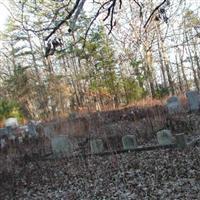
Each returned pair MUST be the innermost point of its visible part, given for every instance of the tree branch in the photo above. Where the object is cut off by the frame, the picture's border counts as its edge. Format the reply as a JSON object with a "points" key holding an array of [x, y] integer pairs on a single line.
{"points": [[152, 13], [64, 20]]}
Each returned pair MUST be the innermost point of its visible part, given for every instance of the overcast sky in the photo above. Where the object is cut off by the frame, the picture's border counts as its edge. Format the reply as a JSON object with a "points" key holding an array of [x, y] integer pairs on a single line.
{"points": [[4, 14]]}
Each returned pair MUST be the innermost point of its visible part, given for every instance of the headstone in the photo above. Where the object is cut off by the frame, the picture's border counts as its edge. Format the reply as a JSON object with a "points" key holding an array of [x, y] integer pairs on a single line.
{"points": [[164, 137], [11, 133], [12, 137], [96, 146], [24, 131], [193, 100], [20, 140], [181, 140], [61, 145], [173, 105], [24, 128], [32, 129], [2, 143], [129, 142], [48, 131], [11, 122], [3, 132]]}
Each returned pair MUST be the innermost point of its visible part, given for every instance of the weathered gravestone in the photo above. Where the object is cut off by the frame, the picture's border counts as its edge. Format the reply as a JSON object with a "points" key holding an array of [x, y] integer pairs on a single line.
{"points": [[11, 133], [32, 129], [181, 140], [3, 132], [61, 145], [193, 100], [96, 146], [20, 140], [2, 143], [129, 142], [173, 105], [164, 137], [48, 131]]}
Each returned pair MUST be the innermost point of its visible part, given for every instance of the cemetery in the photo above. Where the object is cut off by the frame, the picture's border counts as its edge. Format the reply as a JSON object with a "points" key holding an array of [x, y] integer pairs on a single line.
{"points": [[99, 100], [119, 147]]}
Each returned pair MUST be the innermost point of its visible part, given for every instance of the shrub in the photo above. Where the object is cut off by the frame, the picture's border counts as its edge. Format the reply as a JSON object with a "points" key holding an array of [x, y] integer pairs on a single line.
{"points": [[10, 108]]}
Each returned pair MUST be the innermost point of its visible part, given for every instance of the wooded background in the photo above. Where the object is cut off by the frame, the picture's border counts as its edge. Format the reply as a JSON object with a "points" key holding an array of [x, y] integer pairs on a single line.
{"points": [[109, 53]]}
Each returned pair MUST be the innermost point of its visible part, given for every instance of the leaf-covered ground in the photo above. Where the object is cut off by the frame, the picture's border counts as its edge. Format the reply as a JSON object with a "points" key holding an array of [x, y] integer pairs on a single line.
{"points": [[160, 174]]}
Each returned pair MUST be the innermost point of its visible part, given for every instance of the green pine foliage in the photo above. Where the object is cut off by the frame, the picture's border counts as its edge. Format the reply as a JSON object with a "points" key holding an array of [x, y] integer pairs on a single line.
{"points": [[10, 108], [132, 90]]}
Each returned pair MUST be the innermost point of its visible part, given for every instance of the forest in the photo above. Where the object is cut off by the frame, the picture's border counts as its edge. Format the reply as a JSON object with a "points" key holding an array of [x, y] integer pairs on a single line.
{"points": [[62, 57], [99, 100]]}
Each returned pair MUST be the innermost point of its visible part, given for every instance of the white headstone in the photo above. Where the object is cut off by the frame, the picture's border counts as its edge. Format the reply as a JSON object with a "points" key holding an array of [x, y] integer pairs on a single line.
{"points": [[173, 105], [129, 142], [11, 122], [164, 137], [61, 145], [193, 100], [96, 146]]}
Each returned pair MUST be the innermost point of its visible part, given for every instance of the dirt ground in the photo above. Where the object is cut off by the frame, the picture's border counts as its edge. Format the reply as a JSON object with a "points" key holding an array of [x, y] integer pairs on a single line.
{"points": [[159, 174]]}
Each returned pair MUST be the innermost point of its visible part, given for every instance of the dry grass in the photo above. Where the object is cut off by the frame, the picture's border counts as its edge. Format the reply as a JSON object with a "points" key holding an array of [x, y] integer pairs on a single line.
{"points": [[143, 103]]}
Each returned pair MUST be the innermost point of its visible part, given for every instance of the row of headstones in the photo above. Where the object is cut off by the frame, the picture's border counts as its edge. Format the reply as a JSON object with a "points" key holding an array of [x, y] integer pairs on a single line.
{"points": [[62, 144], [16, 134], [29, 129], [174, 104]]}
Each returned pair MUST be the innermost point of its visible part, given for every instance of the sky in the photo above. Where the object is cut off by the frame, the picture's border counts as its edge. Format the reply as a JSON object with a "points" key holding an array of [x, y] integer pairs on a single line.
{"points": [[4, 14]]}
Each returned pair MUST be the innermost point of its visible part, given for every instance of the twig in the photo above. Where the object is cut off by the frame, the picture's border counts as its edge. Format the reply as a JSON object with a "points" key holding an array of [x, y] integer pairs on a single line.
{"points": [[91, 23]]}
